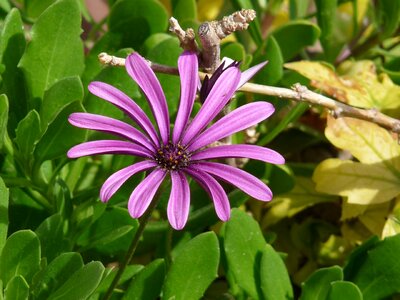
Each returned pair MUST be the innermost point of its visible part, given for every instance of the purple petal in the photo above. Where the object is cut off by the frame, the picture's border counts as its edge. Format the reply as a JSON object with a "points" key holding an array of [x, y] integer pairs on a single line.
{"points": [[247, 151], [249, 73], [239, 119], [108, 147], [179, 201], [110, 125], [144, 76], [246, 182], [126, 104], [142, 195], [188, 72], [214, 189], [218, 97], [114, 182]]}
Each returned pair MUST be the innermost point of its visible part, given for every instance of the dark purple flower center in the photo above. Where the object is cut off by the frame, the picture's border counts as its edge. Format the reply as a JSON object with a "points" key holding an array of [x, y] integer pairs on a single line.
{"points": [[172, 157]]}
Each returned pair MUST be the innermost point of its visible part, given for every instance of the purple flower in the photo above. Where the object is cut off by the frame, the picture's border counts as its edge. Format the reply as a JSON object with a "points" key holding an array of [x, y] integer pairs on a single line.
{"points": [[181, 152]]}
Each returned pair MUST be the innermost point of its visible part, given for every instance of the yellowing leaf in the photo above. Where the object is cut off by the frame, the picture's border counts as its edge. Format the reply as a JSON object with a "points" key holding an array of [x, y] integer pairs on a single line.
{"points": [[361, 183], [303, 195], [392, 225], [209, 10], [355, 83], [366, 141]]}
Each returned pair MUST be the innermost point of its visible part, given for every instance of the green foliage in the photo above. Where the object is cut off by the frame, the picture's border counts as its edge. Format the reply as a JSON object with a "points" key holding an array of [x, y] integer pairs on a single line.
{"points": [[189, 278], [339, 187]]}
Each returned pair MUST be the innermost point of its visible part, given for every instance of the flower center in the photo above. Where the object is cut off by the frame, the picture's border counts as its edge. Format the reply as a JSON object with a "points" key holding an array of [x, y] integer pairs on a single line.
{"points": [[172, 157]]}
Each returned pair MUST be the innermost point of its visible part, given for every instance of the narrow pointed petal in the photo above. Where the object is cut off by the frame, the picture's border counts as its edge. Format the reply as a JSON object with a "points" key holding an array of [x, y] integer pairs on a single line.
{"points": [[244, 151], [188, 73], [179, 201], [239, 119], [112, 126], [126, 104], [144, 76], [215, 190], [108, 147], [249, 73], [116, 180], [218, 97], [143, 194], [248, 183]]}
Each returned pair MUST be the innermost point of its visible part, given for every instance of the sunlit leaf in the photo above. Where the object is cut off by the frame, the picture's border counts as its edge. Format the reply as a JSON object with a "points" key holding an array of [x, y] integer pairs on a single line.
{"points": [[287, 205], [4, 194], [355, 83], [209, 10]]}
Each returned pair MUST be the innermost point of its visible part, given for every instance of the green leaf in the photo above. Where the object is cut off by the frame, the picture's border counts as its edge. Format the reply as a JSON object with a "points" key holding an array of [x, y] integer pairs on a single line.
{"points": [[56, 273], [317, 286], [184, 10], [34, 8], [388, 17], [148, 282], [273, 71], [5, 5], [378, 273], [20, 256], [294, 36], [344, 290], [244, 244], [3, 118], [4, 195], [109, 275], [193, 269], [326, 17], [60, 95], [167, 52], [81, 284], [28, 134], [51, 236], [60, 135], [111, 233], [135, 20], [56, 50], [275, 281], [12, 46], [234, 51], [17, 289]]}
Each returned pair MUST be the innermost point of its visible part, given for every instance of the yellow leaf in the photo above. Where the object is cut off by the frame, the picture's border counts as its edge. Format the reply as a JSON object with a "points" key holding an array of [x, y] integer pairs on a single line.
{"points": [[392, 225], [355, 83], [362, 183], [209, 10], [366, 141], [302, 196]]}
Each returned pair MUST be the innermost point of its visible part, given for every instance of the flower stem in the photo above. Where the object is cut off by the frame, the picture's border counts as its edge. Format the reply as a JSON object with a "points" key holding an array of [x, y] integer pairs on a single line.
{"points": [[132, 248]]}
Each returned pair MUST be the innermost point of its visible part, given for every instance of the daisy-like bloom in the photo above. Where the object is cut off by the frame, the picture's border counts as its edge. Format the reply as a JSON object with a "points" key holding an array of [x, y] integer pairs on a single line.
{"points": [[183, 151]]}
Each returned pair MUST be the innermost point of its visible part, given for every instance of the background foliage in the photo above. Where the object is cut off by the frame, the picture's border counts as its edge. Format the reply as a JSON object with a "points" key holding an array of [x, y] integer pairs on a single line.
{"points": [[331, 231]]}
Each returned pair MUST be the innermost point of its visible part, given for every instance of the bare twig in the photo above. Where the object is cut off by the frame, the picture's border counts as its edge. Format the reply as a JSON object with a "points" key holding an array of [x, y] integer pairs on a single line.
{"points": [[187, 38], [211, 34], [298, 93]]}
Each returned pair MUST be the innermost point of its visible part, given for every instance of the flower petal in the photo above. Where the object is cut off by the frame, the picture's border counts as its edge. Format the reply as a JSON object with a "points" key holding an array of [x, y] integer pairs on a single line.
{"points": [[249, 73], [239, 119], [214, 189], [116, 180], [179, 201], [108, 147], [218, 97], [248, 183], [110, 125], [246, 151], [142, 195], [144, 76], [126, 104], [188, 73]]}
